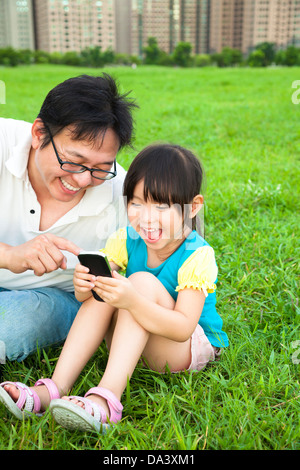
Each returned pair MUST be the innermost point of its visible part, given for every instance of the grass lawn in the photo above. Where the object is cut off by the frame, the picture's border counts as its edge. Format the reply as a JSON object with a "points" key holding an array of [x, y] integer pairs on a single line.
{"points": [[245, 129]]}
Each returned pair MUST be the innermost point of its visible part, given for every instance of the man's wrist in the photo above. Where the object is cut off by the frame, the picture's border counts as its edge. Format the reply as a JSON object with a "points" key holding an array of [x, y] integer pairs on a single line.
{"points": [[4, 255]]}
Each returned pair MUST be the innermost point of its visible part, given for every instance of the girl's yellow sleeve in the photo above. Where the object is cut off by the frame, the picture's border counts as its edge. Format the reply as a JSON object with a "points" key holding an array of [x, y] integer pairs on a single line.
{"points": [[115, 248], [199, 271]]}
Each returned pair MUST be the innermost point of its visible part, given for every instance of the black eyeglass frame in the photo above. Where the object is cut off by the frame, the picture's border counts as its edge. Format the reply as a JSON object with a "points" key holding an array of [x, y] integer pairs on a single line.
{"points": [[110, 174]]}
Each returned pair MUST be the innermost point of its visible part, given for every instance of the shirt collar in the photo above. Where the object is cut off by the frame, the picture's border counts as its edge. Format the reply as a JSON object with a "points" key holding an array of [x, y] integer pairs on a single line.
{"points": [[96, 199], [19, 155]]}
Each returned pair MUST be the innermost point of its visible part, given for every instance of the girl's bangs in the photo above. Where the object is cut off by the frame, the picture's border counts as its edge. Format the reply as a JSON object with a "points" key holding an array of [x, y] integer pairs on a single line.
{"points": [[158, 189], [171, 175]]}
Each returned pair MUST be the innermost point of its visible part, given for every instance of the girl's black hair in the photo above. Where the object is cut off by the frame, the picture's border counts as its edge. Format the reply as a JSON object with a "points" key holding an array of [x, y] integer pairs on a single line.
{"points": [[90, 105], [172, 175]]}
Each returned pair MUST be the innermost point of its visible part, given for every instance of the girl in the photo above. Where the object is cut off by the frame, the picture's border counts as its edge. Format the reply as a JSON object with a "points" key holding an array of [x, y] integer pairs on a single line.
{"points": [[163, 310]]}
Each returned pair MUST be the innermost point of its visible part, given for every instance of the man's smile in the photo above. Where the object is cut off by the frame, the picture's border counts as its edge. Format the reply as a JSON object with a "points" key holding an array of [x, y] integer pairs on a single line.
{"points": [[68, 186]]}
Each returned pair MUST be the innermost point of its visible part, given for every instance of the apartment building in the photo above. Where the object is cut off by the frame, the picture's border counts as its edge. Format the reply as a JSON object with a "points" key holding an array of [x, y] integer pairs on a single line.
{"points": [[242, 24], [170, 21], [276, 21], [16, 24], [126, 25], [194, 24], [211, 25], [152, 18], [73, 25], [123, 26]]}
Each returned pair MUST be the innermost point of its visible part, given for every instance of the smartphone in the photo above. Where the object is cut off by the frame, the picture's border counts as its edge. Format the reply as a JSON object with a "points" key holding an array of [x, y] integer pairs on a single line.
{"points": [[98, 265]]}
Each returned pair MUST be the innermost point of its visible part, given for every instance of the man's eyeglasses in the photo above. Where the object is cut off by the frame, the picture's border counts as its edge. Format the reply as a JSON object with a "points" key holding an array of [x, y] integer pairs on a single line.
{"points": [[71, 167]]}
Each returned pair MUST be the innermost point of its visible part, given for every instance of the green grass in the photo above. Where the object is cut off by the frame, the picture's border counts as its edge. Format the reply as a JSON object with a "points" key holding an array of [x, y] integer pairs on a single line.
{"points": [[244, 127]]}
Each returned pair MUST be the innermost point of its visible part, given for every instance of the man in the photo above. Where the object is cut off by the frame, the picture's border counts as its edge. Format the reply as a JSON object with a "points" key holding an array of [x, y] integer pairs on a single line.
{"points": [[60, 191]]}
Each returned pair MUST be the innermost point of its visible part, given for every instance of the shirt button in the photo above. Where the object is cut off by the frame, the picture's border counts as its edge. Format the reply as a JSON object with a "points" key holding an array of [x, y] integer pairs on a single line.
{"points": [[32, 211]]}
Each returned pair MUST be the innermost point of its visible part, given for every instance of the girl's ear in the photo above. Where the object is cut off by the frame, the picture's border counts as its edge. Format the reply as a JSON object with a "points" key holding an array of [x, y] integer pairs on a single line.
{"points": [[196, 205]]}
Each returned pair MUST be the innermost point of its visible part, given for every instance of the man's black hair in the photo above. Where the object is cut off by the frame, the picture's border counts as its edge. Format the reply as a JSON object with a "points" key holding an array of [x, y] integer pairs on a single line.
{"points": [[89, 105]]}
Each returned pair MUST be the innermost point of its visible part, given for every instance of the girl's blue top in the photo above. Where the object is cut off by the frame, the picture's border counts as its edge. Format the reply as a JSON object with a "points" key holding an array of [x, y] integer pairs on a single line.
{"points": [[167, 273]]}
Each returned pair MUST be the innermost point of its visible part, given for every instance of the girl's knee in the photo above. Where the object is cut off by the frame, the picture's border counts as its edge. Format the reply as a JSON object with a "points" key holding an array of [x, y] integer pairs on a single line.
{"points": [[142, 278], [145, 282], [148, 285]]}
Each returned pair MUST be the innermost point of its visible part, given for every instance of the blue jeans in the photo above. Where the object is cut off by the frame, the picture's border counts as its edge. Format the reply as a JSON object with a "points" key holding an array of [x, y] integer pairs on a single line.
{"points": [[31, 319]]}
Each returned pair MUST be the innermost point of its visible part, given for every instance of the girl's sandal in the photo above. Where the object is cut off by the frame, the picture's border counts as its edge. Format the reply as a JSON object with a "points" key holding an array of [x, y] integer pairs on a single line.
{"points": [[28, 402], [90, 418]]}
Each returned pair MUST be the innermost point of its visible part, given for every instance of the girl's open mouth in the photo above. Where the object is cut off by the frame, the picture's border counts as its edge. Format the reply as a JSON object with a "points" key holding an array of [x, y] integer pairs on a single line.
{"points": [[151, 235]]}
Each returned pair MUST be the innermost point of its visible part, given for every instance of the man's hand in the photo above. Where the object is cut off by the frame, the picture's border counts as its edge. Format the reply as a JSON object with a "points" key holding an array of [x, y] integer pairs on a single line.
{"points": [[42, 255]]}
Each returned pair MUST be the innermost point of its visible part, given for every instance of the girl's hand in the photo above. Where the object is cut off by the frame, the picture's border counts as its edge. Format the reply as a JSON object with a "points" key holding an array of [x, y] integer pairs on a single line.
{"points": [[82, 280], [117, 291]]}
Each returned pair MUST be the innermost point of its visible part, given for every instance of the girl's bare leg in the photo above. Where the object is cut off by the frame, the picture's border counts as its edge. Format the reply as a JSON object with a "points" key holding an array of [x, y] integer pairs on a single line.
{"points": [[85, 336], [129, 340]]}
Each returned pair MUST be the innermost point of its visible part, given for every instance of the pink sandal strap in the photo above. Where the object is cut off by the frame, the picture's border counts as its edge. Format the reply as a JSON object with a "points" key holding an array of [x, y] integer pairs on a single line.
{"points": [[28, 399], [51, 387], [92, 408], [114, 405]]}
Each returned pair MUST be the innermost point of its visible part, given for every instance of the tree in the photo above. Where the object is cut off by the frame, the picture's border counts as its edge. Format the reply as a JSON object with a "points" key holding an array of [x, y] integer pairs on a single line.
{"points": [[182, 54], [26, 56], [257, 58], [71, 58], [280, 57], [232, 56], [165, 59], [9, 56], [92, 57], [56, 58], [269, 50], [292, 56], [41, 57], [108, 56], [228, 57], [202, 60], [152, 51]]}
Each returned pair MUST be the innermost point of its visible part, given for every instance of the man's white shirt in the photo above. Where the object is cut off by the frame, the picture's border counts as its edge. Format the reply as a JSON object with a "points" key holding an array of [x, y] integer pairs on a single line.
{"points": [[100, 212]]}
